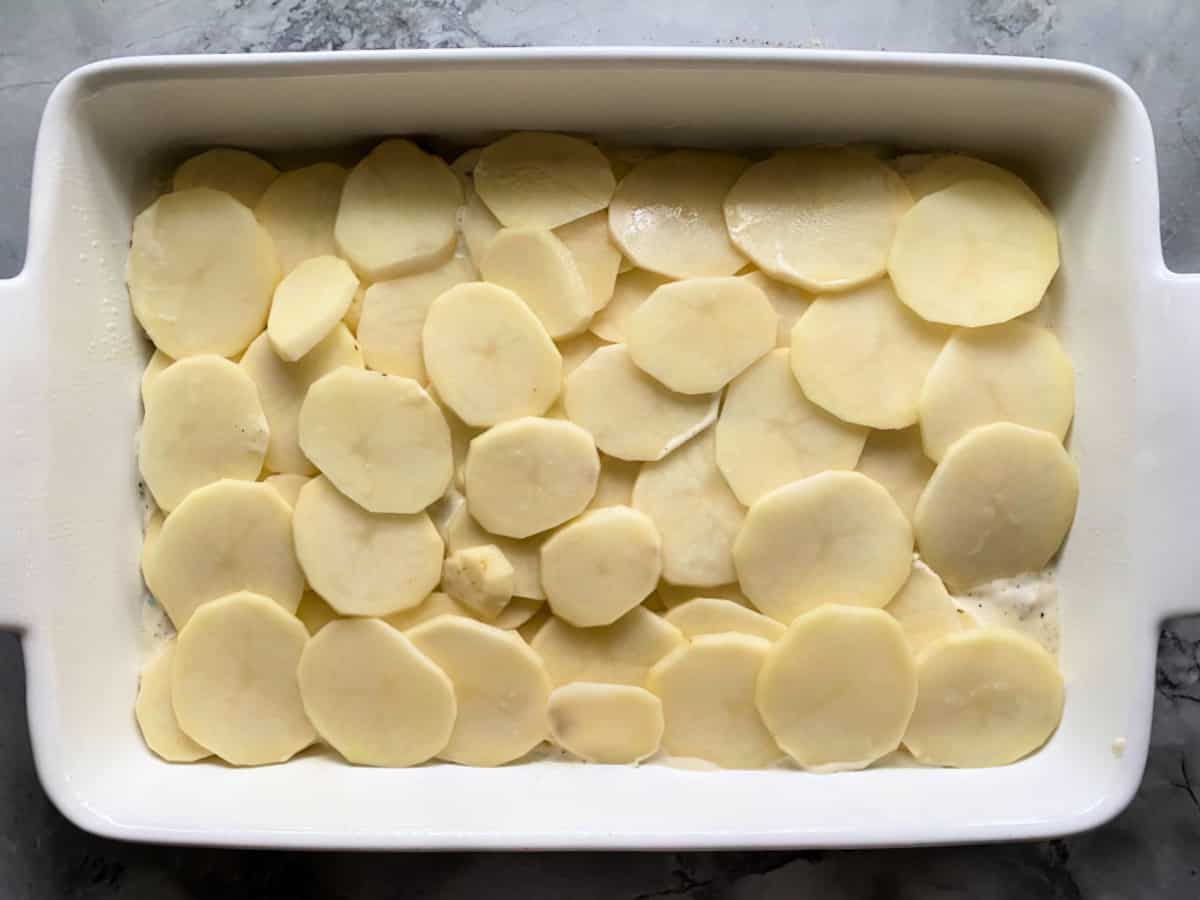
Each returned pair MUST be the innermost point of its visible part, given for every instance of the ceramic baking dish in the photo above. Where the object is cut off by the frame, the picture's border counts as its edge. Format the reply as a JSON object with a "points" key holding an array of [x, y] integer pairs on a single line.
{"points": [[72, 355]]}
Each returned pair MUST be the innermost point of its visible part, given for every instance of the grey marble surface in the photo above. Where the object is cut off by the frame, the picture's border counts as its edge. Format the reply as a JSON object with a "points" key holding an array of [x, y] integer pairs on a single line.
{"points": [[1152, 850]]}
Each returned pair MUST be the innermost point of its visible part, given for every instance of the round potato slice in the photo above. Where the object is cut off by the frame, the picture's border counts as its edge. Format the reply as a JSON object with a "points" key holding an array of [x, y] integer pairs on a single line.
{"points": [[620, 653], [838, 688], [576, 350], [233, 681], [156, 714], [203, 423], [282, 387], [695, 336], [436, 604], [534, 179], [987, 697], [820, 218], [525, 476], [518, 611], [373, 696], [863, 356], [666, 215], [531, 626], [1014, 372], [156, 366], [712, 615], [463, 532], [381, 441], [224, 537], [615, 487], [770, 434], [201, 271], [240, 174], [789, 302], [695, 512], [501, 687], [896, 460], [308, 304], [538, 268], [287, 486], [298, 210], [928, 173], [977, 253], [600, 566], [364, 563], [398, 212], [924, 609], [707, 689], [836, 537], [673, 595], [595, 255], [477, 224], [314, 612], [631, 290], [999, 503], [488, 356], [629, 414], [617, 724]]}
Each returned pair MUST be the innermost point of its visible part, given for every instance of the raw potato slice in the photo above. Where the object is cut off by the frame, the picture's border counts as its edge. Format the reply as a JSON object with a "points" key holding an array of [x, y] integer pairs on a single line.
{"points": [[526, 476], [863, 356], [354, 313], [308, 304], [1015, 372], [695, 336], [201, 271], [620, 653], [500, 684], [314, 612], [398, 212], [999, 503], [623, 157], [157, 365], [695, 512], [381, 441], [928, 173], [789, 302], [373, 696], [242, 175], [673, 595], [233, 681], [298, 210], [282, 387], [462, 532], [595, 255], [977, 253], [711, 615], [666, 215], [987, 697], [770, 434], [615, 487], [924, 609], [519, 611], [600, 566], [617, 724], [529, 628], [480, 578], [363, 563], [707, 691], [538, 268], [576, 350], [631, 290], [895, 459], [288, 486], [478, 225], [203, 423], [488, 356], [533, 179], [393, 316], [436, 604], [838, 688], [155, 713], [819, 218], [837, 537], [629, 414], [224, 537]]}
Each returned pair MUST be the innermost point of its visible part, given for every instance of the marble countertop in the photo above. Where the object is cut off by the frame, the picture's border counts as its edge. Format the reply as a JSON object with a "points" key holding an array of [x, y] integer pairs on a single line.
{"points": [[1151, 850]]}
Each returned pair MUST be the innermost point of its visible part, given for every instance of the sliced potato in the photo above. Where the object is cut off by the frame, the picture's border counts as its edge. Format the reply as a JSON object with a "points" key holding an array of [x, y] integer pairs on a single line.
{"points": [[629, 293], [928, 173], [606, 723], [478, 225], [287, 486], [308, 304], [242, 175], [924, 609], [896, 460], [712, 615], [158, 364], [615, 486], [673, 595], [538, 268], [789, 302], [436, 604], [577, 349], [314, 612], [155, 713], [595, 255], [620, 653], [480, 578], [462, 531], [298, 210], [354, 313], [518, 611]]}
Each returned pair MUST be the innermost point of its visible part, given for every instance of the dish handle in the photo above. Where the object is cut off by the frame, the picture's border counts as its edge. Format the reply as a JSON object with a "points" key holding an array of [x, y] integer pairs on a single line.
{"points": [[19, 400]]}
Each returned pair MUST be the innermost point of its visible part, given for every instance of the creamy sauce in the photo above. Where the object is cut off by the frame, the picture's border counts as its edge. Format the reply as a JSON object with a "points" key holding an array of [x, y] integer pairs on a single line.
{"points": [[1027, 603]]}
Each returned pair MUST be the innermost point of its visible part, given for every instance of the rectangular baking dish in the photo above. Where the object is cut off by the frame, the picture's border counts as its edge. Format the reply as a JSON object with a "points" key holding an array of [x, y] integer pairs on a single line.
{"points": [[72, 355]]}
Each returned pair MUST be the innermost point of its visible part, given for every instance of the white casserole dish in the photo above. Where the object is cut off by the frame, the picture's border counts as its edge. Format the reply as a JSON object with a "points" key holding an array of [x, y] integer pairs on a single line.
{"points": [[72, 355]]}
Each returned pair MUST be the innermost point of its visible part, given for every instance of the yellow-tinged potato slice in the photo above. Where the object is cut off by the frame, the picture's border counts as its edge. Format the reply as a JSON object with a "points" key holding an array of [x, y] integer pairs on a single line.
{"points": [[576, 350], [896, 460], [615, 486], [201, 271], [242, 175], [630, 291], [398, 212], [488, 355], [314, 612], [308, 304], [666, 214], [673, 595], [620, 653], [928, 173], [836, 537], [1014, 372], [538, 268], [977, 253], [770, 434], [595, 255], [156, 366], [987, 697], [287, 486], [224, 537], [712, 615], [354, 313], [518, 611], [534, 179], [838, 688], [531, 626], [462, 531], [924, 609], [233, 680], [820, 218], [380, 440], [531, 474], [500, 684], [477, 224], [203, 423], [789, 302], [707, 689], [999, 503], [436, 604], [617, 724], [695, 336], [298, 210], [156, 714], [373, 696], [364, 563], [480, 578], [624, 157]]}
